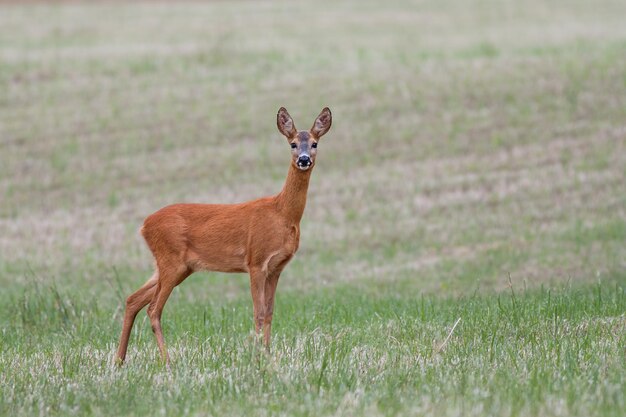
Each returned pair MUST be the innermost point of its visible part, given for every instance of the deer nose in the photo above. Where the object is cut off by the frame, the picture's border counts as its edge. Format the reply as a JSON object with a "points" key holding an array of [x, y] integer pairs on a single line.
{"points": [[304, 160]]}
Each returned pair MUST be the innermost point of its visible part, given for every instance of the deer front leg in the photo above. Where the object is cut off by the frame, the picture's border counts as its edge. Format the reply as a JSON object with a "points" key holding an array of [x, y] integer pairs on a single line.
{"points": [[270, 290], [257, 288]]}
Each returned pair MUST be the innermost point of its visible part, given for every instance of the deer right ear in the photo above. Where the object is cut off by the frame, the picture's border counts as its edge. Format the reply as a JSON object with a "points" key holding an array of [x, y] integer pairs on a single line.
{"points": [[285, 123]]}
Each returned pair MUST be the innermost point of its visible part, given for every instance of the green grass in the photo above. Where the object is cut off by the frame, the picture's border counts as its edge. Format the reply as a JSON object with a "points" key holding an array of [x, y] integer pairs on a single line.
{"points": [[523, 352], [475, 171]]}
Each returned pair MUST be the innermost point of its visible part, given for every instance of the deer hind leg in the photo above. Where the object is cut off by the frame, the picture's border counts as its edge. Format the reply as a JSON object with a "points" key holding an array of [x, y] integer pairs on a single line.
{"points": [[168, 279], [134, 303]]}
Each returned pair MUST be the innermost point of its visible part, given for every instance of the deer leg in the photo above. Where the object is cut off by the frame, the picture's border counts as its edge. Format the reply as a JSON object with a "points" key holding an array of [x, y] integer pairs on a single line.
{"points": [[270, 289], [134, 303], [167, 282], [257, 288]]}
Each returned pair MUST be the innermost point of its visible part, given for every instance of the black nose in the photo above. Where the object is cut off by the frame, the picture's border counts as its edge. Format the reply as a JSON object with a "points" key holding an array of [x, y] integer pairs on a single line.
{"points": [[304, 160]]}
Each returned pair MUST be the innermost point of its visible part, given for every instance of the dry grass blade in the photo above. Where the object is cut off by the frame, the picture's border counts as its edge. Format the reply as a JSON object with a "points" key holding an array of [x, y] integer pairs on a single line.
{"points": [[445, 342]]}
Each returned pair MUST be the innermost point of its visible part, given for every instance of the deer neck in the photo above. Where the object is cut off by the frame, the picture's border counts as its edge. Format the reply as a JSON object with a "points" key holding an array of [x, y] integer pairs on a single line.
{"points": [[292, 199]]}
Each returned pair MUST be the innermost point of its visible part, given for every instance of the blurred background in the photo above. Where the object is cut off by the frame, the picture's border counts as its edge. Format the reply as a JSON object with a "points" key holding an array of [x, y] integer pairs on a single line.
{"points": [[470, 140]]}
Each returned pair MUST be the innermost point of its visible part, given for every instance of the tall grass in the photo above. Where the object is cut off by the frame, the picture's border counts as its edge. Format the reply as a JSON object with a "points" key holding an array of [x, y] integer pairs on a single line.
{"points": [[556, 351]]}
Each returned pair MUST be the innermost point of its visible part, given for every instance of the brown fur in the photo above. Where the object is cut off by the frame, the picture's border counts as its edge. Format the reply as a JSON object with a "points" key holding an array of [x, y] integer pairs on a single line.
{"points": [[258, 237]]}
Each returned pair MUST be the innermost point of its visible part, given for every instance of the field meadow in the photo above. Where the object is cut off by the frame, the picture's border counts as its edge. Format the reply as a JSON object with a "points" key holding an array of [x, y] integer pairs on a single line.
{"points": [[463, 249]]}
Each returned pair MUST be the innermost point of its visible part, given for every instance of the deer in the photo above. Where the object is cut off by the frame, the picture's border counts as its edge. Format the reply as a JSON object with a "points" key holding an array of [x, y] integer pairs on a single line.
{"points": [[257, 237]]}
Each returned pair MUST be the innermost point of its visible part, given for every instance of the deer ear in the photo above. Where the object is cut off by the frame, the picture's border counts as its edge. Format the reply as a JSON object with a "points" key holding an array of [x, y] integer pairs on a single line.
{"points": [[285, 123], [322, 123]]}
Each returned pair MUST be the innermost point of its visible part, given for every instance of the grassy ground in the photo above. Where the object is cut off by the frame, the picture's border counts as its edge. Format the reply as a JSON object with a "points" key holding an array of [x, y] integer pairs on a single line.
{"points": [[475, 171]]}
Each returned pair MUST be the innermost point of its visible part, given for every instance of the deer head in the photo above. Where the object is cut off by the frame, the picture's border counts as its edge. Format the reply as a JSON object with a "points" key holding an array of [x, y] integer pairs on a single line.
{"points": [[303, 143]]}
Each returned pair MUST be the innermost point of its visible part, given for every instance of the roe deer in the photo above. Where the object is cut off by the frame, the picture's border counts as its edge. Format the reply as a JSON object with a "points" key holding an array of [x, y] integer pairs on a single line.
{"points": [[259, 237]]}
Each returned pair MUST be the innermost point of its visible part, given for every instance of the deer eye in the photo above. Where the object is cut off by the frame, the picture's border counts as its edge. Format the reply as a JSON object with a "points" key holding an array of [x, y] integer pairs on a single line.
{"points": [[314, 145], [293, 145]]}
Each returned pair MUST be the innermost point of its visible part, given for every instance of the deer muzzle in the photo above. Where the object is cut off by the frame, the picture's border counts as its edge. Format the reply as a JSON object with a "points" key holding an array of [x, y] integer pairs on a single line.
{"points": [[304, 162]]}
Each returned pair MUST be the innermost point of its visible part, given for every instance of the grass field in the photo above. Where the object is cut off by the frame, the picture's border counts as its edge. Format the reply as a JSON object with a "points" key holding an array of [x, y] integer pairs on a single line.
{"points": [[463, 250]]}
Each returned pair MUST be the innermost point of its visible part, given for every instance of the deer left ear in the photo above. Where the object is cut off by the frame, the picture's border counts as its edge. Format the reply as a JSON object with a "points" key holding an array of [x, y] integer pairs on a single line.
{"points": [[322, 123]]}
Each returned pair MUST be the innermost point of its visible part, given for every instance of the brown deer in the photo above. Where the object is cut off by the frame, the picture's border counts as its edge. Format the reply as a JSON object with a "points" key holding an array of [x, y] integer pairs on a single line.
{"points": [[258, 237]]}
